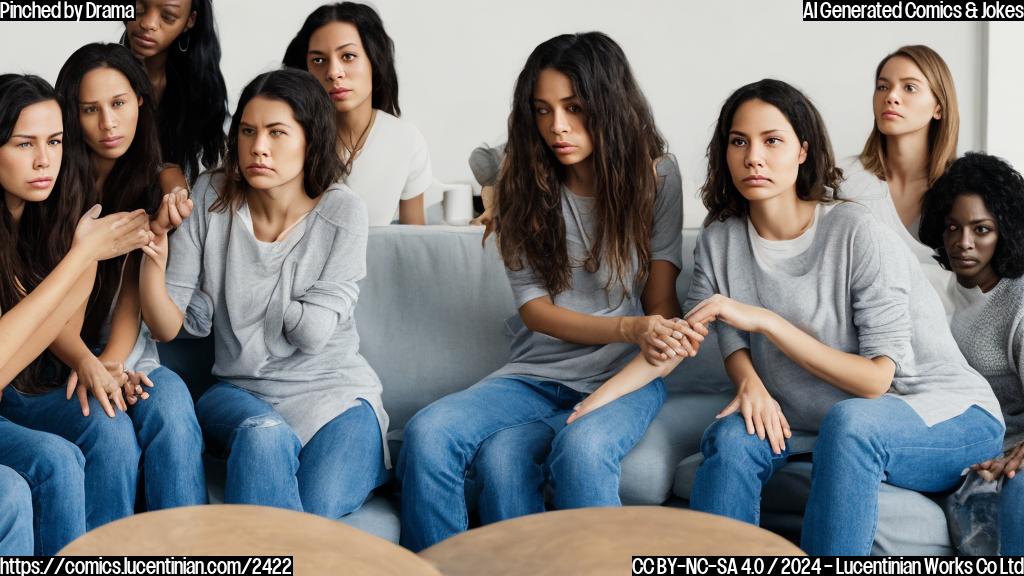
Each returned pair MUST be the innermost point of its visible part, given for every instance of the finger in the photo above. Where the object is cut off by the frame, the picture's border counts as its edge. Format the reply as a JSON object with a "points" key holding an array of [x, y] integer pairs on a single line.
{"points": [[759, 426], [119, 400], [748, 417], [773, 431], [104, 402], [729, 408], [175, 216], [572, 417], [701, 328], [997, 468], [72, 382], [83, 400], [657, 342], [986, 476], [144, 379], [150, 251], [786, 430]]}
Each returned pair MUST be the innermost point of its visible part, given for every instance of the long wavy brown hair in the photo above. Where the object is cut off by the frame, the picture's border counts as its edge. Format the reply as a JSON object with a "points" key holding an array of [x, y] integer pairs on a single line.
{"points": [[528, 216]]}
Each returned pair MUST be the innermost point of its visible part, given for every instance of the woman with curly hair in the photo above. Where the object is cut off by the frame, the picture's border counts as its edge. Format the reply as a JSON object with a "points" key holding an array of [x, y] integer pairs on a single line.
{"points": [[912, 142], [827, 327], [588, 219], [176, 40], [974, 219], [346, 47], [270, 262]]}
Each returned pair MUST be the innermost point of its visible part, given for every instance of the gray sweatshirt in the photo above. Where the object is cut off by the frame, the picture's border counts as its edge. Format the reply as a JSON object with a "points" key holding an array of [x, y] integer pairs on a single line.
{"points": [[281, 312], [990, 331], [856, 288]]}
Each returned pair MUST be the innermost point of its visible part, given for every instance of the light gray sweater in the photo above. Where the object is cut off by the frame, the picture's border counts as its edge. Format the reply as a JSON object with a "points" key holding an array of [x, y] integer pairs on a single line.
{"points": [[281, 312], [858, 289], [990, 331]]}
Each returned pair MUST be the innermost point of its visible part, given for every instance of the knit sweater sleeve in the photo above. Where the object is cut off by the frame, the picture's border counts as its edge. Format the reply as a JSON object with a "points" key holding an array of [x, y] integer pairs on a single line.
{"points": [[185, 263], [705, 285]]}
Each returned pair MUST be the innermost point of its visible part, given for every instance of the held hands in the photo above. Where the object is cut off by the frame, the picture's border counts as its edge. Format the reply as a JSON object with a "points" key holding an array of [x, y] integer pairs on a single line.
{"points": [[661, 339], [174, 209], [762, 414], [1006, 465], [107, 380], [113, 235], [736, 314], [156, 252]]}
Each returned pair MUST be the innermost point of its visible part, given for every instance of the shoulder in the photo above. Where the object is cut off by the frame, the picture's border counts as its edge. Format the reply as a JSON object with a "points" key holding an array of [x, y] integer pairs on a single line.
{"points": [[858, 183], [853, 217], [340, 207], [666, 166], [720, 232], [394, 128], [1014, 295], [207, 189]]}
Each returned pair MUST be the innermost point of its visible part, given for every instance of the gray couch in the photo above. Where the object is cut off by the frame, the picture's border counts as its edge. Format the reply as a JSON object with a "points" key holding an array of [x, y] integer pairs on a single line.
{"points": [[431, 319]]}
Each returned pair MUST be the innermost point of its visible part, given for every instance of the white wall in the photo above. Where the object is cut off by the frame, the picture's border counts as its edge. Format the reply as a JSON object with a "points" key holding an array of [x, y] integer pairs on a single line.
{"points": [[458, 60], [1005, 114]]}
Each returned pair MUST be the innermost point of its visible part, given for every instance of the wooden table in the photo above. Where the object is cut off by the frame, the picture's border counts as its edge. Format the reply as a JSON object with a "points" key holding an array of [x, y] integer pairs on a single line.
{"points": [[598, 541], [319, 545]]}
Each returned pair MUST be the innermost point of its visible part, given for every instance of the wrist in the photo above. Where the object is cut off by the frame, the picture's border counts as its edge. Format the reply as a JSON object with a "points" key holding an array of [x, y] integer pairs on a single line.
{"points": [[772, 324], [626, 329]]}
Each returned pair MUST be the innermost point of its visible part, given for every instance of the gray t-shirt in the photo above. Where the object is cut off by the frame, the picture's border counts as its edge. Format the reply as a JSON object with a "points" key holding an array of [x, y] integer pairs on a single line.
{"points": [[281, 312], [990, 331], [858, 289], [581, 367]]}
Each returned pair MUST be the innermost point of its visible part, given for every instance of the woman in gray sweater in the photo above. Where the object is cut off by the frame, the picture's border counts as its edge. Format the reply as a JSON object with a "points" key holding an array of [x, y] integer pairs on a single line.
{"points": [[269, 260], [974, 219], [827, 326]]}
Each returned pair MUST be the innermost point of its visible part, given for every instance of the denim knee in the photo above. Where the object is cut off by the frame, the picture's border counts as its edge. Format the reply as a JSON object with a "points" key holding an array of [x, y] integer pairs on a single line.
{"points": [[266, 434], [56, 460], [15, 498], [111, 439], [584, 449], [728, 439], [430, 437]]}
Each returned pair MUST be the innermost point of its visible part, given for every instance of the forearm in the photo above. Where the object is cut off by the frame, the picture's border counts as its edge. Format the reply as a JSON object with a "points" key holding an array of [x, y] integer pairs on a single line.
{"points": [[124, 325], [30, 347], [740, 368], [411, 211], [541, 315], [659, 295], [159, 311], [852, 373], [68, 346]]}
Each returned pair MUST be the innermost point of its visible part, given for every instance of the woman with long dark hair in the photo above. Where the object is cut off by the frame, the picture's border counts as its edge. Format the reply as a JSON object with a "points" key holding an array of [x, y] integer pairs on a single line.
{"points": [[588, 219], [387, 162], [269, 262], [827, 327], [177, 42], [47, 268], [111, 156]]}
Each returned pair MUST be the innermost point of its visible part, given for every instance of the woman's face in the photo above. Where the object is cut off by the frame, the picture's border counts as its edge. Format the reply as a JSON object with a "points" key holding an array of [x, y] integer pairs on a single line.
{"points": [[337, 58], [561, 118], [271, 144], [157, 24], [763, 152], [30, 159], [108, 109], [904, 102], [970, 239]]}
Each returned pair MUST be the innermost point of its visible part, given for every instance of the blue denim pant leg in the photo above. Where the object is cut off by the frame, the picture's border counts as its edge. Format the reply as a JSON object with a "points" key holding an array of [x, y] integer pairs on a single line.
{"points": [[736, 467], [55, 471], [1011, 516], [442, 440], [108, 444], [585, 463], [864, 442], [510, 471], [15, 514], [262, 449], [342, 463], [171, 442]]}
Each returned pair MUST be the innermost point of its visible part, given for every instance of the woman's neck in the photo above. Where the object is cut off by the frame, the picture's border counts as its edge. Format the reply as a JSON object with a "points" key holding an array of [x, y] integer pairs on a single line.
{"points": [[15, 205], [581, 178], [783, 217], [277, 209], [906, 172], [354, 125], [103, 168], [156, 69]]}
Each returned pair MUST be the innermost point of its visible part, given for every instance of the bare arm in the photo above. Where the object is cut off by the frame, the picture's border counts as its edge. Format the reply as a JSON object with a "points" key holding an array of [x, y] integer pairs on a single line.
{"points": [[124, 327], [411, 211], [160, 313]]}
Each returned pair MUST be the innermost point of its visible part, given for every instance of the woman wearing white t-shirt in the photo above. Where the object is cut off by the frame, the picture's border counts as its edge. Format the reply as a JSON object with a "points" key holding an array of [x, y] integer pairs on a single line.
{"points": [[346, 47], [911, 144]]}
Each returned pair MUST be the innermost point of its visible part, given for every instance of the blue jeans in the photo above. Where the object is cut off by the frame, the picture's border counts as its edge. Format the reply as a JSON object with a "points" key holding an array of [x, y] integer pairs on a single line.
{"points": [[15, 514], [1011, 516], [162, 427], [510, 432], [861, 443], [54, 470], [331, 476]]}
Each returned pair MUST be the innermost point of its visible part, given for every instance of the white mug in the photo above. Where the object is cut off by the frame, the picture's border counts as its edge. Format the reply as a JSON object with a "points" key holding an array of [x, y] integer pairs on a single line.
{"points": [[458, 204]]}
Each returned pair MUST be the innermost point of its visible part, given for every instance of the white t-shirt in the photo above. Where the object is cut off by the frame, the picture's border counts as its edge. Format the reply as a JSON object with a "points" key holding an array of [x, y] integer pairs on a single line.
{"points": [[394, 165], [768, 253], [865, 188]]}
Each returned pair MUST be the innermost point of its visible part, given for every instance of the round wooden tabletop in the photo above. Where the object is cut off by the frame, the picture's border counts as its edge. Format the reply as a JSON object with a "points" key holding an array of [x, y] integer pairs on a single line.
{"points": [[598, 541], [318, 545]]}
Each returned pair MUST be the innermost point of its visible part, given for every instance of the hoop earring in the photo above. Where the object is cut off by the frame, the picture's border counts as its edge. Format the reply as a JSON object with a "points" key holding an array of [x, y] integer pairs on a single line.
{"points": [[188, 42]]}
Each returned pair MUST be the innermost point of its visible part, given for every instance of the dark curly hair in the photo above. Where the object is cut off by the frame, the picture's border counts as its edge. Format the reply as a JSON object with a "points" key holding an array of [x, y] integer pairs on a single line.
{"points": [[313, 111], [378, 45], [528, 219], [818, 177], [1000, 187]]}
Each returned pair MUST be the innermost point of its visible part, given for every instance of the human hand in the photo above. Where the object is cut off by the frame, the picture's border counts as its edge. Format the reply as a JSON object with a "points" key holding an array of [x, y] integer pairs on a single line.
{"points": [[1006, 465], [736, 314], [174, 208], [112, 235], [97, 377], [133, 390], [661, 339], [156, 251], [762, 414]]}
